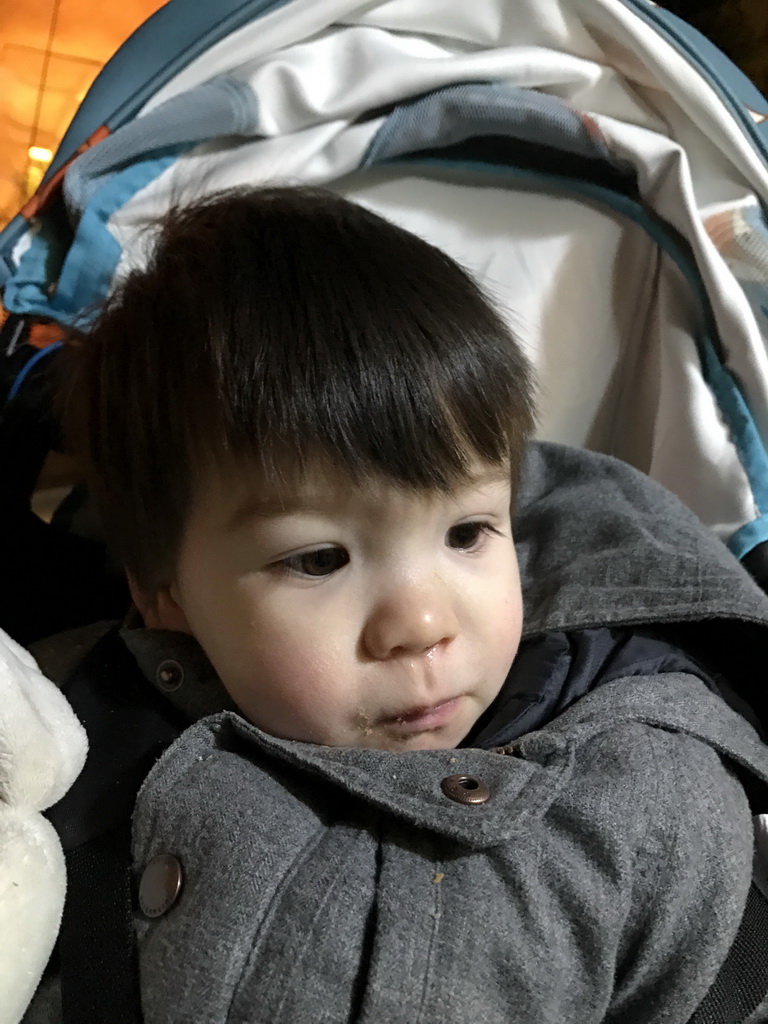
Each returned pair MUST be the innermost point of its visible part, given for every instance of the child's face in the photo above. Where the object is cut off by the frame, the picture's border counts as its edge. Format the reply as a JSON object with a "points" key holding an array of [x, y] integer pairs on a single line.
{"points": [[348, 616]]}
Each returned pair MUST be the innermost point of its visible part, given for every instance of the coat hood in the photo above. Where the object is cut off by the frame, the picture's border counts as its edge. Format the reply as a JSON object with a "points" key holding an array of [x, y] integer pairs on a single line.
{"points": [[601, 544]]}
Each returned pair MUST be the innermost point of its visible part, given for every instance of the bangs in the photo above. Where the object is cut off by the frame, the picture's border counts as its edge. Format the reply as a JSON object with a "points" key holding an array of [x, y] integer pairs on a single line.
{"points": [[361, 343], [384, 400]]}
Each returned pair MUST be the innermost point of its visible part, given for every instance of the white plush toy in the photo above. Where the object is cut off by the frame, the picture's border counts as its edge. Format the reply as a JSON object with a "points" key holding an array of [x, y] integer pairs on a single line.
{"points": [[42, 750]]}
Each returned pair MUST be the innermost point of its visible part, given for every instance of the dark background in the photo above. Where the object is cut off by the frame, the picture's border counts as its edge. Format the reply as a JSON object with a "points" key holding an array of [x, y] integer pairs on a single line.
{"points": [[738, 27]]}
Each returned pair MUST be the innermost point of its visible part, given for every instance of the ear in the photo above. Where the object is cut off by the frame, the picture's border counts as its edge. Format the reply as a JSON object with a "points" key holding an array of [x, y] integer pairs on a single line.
{"points": [[160, 609]]}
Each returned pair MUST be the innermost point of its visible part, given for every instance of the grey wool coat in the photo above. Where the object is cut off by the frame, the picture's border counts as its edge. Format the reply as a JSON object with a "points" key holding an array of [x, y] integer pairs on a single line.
{"points": [[602, 880]]}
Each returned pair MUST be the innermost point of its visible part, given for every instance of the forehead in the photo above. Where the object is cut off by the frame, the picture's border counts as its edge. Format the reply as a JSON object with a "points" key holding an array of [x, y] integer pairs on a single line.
{"points": [[241, 491]]}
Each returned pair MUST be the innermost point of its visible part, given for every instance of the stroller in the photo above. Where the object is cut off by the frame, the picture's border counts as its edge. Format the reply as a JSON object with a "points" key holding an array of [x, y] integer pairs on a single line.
{"points": [[597, 164]]}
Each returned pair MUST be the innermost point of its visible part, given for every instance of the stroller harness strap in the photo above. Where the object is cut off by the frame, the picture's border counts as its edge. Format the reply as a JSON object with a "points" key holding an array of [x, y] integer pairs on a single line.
{"points": [[97, 951], [742, 982]]}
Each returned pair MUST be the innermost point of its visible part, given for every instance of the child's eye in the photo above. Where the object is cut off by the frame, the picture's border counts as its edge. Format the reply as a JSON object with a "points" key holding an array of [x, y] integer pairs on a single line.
{"points": [[466, 536], [320, 562]]}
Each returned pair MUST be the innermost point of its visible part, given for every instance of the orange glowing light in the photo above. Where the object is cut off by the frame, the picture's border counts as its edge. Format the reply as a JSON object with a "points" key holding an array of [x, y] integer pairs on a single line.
{"points": [[40, 155], [50, 53]]}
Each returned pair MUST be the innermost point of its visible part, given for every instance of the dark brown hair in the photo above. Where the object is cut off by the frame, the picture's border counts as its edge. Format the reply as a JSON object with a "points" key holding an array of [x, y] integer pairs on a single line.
{"points": [[286, 321]]}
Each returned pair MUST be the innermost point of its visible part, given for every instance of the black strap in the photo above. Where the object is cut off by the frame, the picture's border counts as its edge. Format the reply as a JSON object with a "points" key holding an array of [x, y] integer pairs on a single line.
{"points": [[742, 984], [97, 951]]}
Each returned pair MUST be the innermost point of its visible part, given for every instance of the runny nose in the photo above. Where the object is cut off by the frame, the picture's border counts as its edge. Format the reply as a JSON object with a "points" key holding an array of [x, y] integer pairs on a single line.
{"points": [[409, 623]]}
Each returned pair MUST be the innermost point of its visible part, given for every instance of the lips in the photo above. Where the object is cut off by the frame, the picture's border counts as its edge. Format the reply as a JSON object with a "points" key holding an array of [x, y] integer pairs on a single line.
{"points": [[430, 716]]}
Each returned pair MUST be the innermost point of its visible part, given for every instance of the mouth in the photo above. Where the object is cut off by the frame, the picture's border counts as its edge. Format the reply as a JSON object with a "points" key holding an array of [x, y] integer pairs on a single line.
{"points": [[424, 718]]}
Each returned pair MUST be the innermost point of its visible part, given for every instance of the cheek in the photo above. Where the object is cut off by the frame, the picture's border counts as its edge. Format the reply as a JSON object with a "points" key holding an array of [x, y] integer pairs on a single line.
{"points": [[506, 627], [282, 656], [280, 667], [293, 666], [504, 615]]}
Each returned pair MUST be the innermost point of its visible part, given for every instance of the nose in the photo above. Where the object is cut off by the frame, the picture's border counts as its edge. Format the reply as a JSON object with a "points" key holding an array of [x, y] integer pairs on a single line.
{"points": [[410, 620]]}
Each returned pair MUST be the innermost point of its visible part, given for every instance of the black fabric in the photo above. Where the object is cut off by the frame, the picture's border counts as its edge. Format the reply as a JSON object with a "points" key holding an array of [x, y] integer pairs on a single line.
{"points": [[52, 579], [537, 159], [756, 563], [734, 655], [14, 334], [97, 950], [742, 983], [551, 672], [27, 427], [129, 725]]}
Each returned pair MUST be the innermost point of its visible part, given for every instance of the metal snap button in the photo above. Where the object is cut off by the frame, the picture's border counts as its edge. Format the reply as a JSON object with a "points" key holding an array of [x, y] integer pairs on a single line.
{"points": [[510, 749], [169, 675], [160, 885], [465, 789]]}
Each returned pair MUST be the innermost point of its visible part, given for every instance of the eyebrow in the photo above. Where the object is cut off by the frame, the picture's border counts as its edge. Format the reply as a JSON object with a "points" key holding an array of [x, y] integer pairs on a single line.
{"points": [[271, 506], [255, 507], [494, 475]]}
